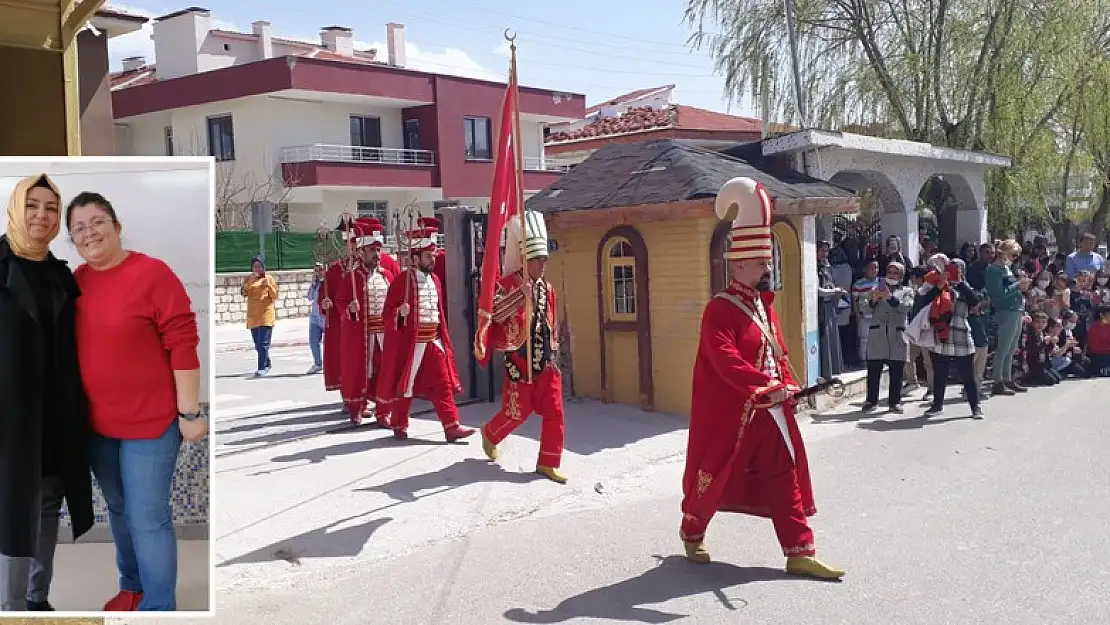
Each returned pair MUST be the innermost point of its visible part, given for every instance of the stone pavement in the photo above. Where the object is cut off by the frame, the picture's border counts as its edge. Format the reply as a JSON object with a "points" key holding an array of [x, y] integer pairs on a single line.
{"points": [[941, 520]]}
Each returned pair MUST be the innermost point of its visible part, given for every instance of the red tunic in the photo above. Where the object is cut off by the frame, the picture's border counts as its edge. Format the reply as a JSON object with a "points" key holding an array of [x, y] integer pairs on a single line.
{"points": [[357, 331], [333, 280], [135, 327], [542, 393], [401, 338], [389, 265], [727, 458]]}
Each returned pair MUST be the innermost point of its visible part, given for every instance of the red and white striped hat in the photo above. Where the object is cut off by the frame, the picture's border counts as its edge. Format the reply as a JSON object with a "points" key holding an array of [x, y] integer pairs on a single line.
{"points": [[747, 205]]}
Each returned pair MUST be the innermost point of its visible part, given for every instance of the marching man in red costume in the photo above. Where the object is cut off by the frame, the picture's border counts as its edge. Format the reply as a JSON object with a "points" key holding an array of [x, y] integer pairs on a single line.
{"points": [[745, 452], [418, 359], [325, 298], [362, 298], [524, 327]]}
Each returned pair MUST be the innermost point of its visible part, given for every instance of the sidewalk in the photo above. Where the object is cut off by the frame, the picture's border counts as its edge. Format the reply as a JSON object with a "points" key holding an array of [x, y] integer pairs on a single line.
{"points": [[234, 337]]}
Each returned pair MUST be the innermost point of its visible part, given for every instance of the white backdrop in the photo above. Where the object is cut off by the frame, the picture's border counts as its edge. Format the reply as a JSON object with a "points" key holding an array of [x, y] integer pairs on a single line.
{"points": [[165, 206]]}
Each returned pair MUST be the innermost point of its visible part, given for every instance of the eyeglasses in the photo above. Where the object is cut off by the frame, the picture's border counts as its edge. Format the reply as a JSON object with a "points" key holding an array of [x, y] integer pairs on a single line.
{"points": [[96, 223]]}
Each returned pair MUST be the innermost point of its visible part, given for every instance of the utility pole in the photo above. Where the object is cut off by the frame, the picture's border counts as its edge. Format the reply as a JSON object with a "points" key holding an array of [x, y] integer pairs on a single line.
{"points": [[791, 30]]}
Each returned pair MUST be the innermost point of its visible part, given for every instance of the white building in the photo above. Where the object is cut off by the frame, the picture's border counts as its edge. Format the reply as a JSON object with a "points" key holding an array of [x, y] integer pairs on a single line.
{"points": [[320, 129]]}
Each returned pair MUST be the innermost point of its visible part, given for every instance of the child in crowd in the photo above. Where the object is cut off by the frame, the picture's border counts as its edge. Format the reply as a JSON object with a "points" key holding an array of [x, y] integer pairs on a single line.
{"points": [[1065, 358], [1038, 348], [1100, 291], [1098, 343]]}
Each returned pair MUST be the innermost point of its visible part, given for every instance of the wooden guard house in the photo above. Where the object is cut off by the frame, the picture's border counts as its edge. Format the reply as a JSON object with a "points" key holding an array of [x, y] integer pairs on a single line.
{"points": [[637, 253]]}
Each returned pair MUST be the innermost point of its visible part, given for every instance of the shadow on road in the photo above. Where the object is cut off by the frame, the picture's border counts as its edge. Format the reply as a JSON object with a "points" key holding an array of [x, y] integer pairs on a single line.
{"points": [[320, 454], [593, 426], [908, 424], [672, 578], [324, 542], [462, 473], [323, 417]]}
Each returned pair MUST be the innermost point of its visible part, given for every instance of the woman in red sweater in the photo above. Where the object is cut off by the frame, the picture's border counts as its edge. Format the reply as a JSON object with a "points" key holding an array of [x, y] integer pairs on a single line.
{"points": [[137, 344]]}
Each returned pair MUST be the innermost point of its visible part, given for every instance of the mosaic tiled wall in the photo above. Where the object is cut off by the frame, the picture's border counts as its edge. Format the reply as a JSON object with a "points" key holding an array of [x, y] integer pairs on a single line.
{"points": [[190, 487]]}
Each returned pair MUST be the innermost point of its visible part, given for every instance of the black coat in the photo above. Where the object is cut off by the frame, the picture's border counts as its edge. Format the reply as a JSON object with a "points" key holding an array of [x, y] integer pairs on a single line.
{"points": [[24, 383]]}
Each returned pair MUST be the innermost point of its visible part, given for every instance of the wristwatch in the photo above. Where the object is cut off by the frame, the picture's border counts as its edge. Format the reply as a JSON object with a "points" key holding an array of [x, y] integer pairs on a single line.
{"points": [[190, 416]]}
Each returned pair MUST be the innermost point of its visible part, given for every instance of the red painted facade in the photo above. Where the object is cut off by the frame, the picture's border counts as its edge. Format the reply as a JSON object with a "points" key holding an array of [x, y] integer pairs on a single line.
{"points": [[333, 173], [450, 98]]}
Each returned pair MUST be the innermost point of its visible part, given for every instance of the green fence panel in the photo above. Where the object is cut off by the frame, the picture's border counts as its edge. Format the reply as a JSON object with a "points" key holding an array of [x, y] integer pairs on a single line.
{"points": [[284, 250]]}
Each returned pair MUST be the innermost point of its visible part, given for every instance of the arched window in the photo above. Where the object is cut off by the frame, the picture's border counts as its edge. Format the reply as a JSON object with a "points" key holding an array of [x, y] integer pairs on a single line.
{"points": [[620, 272]]}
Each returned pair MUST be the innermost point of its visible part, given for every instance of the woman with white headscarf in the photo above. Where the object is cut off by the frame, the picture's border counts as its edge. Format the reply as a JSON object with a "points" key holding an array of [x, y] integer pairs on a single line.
{"points": [[44, 436], [888, 309]]}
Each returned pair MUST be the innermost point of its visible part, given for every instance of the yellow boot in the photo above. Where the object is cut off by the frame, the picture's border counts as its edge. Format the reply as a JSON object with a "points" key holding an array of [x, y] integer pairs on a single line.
{"points": [[696, 552], [491, 450], [551, 473], [811, 567]]}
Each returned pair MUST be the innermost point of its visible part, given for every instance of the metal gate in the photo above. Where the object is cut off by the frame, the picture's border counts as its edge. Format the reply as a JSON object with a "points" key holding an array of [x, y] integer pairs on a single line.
{"points": [[485, 382]]}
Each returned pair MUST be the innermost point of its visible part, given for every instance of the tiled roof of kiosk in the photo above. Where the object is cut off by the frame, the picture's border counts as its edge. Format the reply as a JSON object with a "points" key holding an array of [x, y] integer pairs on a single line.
{"points": [[670, 170]]}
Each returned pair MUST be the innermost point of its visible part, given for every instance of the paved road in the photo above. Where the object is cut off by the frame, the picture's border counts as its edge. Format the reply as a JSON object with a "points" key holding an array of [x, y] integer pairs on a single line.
{"points": [[945, 520]]}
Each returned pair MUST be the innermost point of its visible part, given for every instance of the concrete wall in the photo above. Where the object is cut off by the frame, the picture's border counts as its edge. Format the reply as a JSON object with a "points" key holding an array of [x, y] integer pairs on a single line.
{"points": [[292, 293], [98, 133]]}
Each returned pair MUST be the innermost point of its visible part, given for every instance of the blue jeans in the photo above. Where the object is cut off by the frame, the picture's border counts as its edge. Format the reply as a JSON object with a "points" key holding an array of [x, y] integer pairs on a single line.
{"points": [[1009, 332], [261, 336], [315, 336], [136, 477]]}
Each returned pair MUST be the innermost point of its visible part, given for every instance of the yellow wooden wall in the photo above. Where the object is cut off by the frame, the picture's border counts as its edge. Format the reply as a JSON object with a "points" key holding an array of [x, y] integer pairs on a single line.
{"points": [[678, 264]]}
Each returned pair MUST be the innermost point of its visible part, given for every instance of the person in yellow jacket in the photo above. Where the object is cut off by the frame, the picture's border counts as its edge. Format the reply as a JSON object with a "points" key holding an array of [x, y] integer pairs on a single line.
{"points": [[261, 293]]}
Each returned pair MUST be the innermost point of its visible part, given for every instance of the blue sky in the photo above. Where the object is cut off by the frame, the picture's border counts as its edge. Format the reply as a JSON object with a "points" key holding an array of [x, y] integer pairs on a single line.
{"points": [[600, 49]]}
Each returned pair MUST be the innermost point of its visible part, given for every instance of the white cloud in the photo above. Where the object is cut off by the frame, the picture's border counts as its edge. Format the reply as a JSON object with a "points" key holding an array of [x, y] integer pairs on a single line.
{"points": [[451, 61]]}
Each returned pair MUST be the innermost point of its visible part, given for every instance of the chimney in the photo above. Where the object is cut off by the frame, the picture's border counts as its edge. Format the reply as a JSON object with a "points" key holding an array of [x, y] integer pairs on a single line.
{"points": [[338, 39], [178, 38], [132, 63], [395, 39], [265, 40]]}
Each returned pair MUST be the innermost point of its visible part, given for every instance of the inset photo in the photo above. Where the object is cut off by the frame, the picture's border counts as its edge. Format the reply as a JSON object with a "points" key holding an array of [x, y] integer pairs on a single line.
{"points": [[106, 271]]}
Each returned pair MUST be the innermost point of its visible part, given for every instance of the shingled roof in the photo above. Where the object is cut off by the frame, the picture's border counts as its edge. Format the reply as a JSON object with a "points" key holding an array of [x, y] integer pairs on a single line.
{"points": [[669, 170]]}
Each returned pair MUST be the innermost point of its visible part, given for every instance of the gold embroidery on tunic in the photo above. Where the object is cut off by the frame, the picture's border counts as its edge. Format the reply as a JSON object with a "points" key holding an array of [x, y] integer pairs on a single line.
{"points": [[512, 403], [705, 480]]}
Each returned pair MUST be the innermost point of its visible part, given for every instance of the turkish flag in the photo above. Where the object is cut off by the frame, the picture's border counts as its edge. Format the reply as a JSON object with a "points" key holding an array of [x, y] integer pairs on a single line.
{"points": [[504, 202]]}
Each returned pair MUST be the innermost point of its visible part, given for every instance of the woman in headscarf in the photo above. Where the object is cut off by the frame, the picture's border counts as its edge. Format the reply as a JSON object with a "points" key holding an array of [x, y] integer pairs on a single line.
{"points": [[828, 294], [889, 307], [44, 437], [951, 300], [261, 292], [894, 254], [137, 339]]}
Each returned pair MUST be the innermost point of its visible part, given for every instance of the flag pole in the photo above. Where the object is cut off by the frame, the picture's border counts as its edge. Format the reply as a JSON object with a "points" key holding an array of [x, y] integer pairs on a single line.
{"points": [[510, 36]]}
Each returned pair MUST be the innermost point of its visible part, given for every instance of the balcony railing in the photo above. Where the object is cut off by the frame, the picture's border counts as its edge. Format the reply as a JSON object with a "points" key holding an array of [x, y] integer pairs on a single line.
{"points": [[356, 154], [540, 163]]}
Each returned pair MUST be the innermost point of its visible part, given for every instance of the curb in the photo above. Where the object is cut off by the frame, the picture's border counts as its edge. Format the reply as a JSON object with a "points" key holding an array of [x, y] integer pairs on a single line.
{"points": [[247, 347]]}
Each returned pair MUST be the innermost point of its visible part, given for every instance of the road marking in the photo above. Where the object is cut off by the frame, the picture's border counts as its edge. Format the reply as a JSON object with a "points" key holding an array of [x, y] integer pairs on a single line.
{"points": [[254, 409]]}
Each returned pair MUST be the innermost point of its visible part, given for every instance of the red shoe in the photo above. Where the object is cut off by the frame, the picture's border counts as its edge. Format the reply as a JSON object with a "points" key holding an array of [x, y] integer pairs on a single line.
{"points": [[400, 435], [125, 601], [457, 433], [356, 419], [383, 421]]}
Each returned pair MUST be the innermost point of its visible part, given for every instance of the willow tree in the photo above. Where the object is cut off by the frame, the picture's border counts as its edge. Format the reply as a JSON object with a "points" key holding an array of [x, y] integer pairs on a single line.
{"points": [[1094, 116], [966, 74]]}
